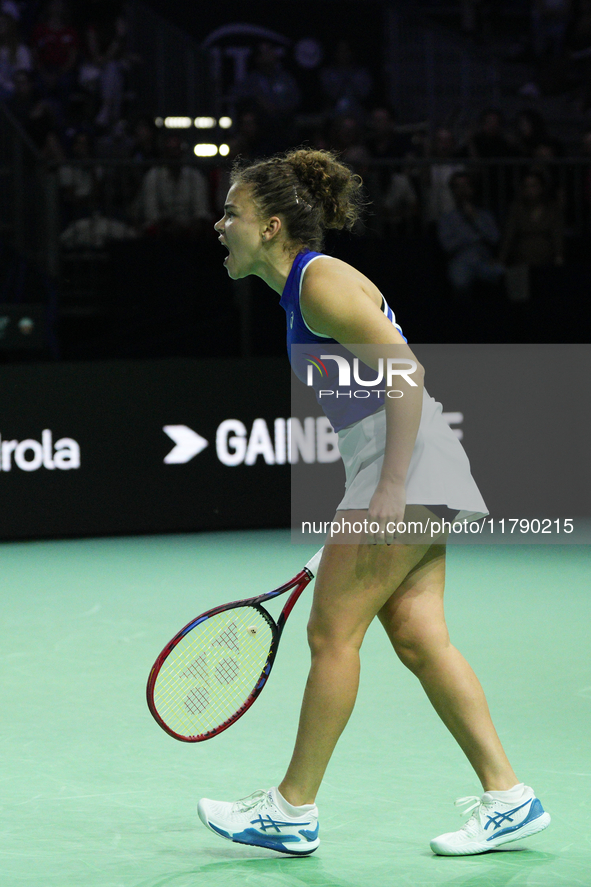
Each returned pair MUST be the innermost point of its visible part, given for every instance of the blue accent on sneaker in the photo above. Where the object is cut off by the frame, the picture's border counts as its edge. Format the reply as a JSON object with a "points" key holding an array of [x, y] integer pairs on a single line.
{"points": [[273, 842], [308, 835], [501, 817], [536, 810], [268, 822], [220, 831]]}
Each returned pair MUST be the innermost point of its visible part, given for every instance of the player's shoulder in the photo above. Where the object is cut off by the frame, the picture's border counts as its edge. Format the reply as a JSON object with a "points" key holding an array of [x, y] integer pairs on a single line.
{"points": [[329, 279], [325, 271], [322, 264]]}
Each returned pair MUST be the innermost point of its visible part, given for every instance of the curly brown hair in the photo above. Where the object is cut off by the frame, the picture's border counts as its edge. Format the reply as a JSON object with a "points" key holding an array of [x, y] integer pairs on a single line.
{"points": [[310, 189]]}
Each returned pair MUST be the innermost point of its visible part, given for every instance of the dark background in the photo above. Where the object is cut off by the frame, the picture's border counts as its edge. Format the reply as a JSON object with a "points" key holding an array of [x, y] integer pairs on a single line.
{"points": [[116, 412], [131, 334]]}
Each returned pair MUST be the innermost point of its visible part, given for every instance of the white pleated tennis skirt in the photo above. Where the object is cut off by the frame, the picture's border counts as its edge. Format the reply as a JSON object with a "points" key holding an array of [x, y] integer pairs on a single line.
{"points": [[439, 470]]}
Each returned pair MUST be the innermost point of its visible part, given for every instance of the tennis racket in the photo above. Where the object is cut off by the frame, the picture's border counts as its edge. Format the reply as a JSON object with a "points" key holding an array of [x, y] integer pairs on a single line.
{"points": [[212, 671]]}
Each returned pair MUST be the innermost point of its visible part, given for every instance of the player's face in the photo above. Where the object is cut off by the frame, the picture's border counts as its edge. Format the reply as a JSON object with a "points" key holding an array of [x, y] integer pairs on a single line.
{"points": [[240, 232]]}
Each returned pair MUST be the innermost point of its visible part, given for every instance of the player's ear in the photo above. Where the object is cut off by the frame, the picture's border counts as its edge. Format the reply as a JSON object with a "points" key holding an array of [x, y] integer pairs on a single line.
{"points": [[272, 228]]}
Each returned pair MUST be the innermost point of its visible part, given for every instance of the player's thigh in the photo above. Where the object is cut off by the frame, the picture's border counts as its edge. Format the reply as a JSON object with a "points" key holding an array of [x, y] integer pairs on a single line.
{"points": [[353, 583], [419, 526], [414, 615]]}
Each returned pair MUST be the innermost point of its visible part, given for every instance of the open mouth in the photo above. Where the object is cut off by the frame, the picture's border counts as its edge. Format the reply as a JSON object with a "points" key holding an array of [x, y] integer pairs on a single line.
{"points": [[224, 244]]}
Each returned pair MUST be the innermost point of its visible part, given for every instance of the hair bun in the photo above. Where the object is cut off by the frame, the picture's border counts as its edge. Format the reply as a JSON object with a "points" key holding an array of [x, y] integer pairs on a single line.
{"points": [[329, 184], [310, 189]]}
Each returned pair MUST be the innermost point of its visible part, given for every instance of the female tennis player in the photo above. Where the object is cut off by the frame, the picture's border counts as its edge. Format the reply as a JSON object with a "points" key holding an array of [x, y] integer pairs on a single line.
{"points": [[398, 453]]}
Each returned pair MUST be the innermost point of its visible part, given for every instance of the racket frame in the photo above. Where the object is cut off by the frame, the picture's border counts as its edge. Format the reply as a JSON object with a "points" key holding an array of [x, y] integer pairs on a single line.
{"points": [[298, 584]]}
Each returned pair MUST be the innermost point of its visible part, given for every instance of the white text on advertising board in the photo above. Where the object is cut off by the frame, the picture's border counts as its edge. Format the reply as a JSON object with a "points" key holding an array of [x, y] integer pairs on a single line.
{"points": [[278, 442], [30, 454]]}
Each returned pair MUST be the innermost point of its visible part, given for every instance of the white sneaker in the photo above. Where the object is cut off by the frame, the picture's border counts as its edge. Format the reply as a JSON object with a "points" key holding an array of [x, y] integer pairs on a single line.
{"points": [[259, 820], [493, 823]]}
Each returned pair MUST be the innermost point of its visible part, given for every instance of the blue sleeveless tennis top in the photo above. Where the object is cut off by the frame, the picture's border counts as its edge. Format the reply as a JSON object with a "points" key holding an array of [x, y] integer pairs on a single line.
{"points": [[345, 408]]}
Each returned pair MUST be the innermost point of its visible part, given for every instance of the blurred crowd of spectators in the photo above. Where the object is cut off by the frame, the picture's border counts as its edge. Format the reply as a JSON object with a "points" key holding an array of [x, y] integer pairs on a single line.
{"points": [[65, 72], [557, 43], [64, 76], [495, 200], [63, 66]]}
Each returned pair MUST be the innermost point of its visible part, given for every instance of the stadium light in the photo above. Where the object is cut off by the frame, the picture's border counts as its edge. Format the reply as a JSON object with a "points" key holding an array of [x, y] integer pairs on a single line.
{"points": [[205, 122], [177, 122], [225, 122], [224, 150], [204, 150], [159, 121]]}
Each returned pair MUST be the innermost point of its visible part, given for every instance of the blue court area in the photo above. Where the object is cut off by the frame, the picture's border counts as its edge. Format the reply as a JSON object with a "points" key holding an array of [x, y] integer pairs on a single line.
{"points": [[94, 794]]}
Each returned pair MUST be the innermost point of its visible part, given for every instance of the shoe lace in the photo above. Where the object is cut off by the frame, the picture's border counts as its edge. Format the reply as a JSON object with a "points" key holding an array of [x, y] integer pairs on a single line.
{"points": [[248, 803], [470, 803]]}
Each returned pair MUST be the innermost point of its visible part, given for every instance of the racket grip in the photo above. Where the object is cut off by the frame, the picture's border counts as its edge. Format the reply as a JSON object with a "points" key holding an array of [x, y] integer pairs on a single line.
{"points": [[312, 564]]}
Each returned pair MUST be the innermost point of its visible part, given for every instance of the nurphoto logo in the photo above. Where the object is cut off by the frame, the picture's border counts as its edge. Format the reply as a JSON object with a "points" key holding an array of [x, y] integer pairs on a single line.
{"points": [[345, 370], [388, 370]]}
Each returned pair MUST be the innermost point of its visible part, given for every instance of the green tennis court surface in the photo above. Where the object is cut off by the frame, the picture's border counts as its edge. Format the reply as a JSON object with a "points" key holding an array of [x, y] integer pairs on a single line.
{"points": [[94, 793]]}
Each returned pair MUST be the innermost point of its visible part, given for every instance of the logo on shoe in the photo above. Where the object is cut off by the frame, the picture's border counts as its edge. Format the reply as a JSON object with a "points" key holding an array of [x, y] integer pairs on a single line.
{"points": [[499, 818], [310, 836], [267, 822]]}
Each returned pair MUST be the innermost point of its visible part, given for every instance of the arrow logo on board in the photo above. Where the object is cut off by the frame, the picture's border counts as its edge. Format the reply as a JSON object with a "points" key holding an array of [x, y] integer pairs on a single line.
{"points": [[188, 444]]}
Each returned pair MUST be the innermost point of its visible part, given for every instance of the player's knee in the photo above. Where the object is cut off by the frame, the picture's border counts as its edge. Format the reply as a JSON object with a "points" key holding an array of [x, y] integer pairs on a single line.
{"points": [[416, 651], [323, 638], [411, 654]]}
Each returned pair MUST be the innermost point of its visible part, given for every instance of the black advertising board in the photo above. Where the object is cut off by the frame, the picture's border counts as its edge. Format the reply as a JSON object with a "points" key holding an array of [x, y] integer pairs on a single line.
{"points": [[83, 447], [184, 445]]}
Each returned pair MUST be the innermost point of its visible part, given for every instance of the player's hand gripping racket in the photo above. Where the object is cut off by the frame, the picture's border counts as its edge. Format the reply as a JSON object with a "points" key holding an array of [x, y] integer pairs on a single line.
{"points": [[212, 671]]}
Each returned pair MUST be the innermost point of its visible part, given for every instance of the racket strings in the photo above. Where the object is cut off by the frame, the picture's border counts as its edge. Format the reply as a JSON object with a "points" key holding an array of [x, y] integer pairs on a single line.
{"points": [[212, 671]]}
